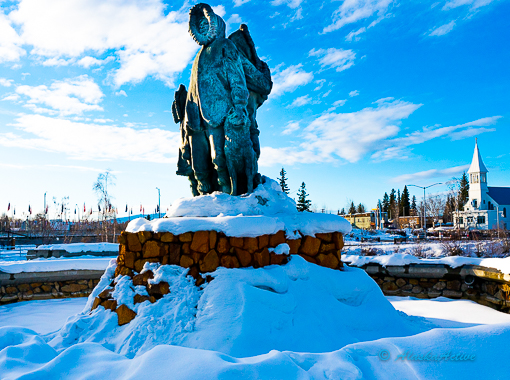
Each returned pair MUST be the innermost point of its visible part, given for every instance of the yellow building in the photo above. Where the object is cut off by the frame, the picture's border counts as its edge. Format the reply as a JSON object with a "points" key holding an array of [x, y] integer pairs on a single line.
{"points": [[366, 220]]}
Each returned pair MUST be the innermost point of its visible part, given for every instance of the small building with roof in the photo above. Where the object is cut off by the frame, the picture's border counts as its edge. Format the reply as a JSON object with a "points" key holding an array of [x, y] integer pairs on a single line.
{"points": [[488, 207]]}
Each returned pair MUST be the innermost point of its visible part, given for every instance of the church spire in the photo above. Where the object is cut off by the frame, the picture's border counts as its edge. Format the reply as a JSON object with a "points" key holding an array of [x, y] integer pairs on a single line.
{"points": [[477, 165]]}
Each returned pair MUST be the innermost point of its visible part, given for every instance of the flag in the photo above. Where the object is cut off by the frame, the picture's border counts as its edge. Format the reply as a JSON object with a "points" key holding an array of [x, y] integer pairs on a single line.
{"points": [[30, 209], [143, 210], [131, 211], [116, 210], [9, 207], [157, 208], [99, 208], [14, 210], [75, 211], [62, 207], [84, 209], [140, 208], [126, 208], [109, 208], [46, 210], [91, 211]]}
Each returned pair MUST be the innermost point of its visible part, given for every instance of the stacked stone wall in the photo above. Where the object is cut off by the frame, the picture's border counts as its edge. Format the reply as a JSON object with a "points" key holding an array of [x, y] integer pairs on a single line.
{"points": [[46, 290], [203, 252]]}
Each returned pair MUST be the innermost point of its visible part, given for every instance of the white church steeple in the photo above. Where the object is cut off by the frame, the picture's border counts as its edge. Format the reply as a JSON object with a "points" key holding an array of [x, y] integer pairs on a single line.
{"points": [[477, 181]]}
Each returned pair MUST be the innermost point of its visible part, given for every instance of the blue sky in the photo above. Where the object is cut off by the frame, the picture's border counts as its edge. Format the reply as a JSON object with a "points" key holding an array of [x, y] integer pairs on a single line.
{"points": [[368, 95]]}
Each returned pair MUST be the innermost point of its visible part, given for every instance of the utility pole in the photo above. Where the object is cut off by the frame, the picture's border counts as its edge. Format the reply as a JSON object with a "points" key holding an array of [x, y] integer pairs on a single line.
{"points": [[424, 204], [159, 202], [44, 205]]}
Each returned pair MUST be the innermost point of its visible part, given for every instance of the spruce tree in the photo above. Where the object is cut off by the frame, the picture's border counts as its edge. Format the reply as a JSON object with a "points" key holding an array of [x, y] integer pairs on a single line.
{"points": [[404, 200], [342, 212], [393, 204], [352, 208], [463, 192], [386, 203], [360, 208], [413, 204], [283, 181], [303, 203], [399, 203]]}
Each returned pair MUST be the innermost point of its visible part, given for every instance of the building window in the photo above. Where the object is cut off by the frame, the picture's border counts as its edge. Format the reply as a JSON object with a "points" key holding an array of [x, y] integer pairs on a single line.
{"points": [[470, 219], [504, 212], [483, 177], [480, 219], [461, 220]]}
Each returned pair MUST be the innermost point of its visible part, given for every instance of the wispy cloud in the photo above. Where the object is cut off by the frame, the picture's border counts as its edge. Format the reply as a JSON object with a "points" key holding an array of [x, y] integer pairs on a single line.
{"points": [[355, 93], [352, 11], [475, 4], [433, 173], [289, 79], [443, 29], [290, 127], [301, 101], [354, 35], [87, 141], [67, 97], [338, 59], [6, 82]]}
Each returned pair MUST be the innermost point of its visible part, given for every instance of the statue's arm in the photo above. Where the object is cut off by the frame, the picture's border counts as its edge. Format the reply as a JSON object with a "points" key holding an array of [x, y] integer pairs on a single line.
{"points": [[235, 75]]}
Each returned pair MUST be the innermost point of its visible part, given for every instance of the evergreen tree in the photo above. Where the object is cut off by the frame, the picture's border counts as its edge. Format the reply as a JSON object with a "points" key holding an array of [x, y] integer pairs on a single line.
{"points": [[404, 200], [360, 208], [386, 203], [399, 204], [352, 208], [303, 203], [463, 192], [413, 204], [342, 212], [283, 181], [392, 205]]}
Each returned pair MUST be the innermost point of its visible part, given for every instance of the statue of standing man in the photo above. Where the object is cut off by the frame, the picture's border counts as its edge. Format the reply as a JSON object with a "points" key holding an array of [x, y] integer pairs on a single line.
{"points": [[228, 83]]}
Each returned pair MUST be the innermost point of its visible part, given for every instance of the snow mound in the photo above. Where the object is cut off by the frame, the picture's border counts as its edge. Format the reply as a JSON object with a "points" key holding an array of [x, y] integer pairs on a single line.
{"points": [[264, 212], [81, 247], [244, 312], [267, 199]]}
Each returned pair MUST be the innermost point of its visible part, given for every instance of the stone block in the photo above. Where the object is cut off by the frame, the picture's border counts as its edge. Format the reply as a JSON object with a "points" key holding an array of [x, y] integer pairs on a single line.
{"points": [[159, 289], [277, 259], [236, 242], [167, 237], [223, 245], [452, 293], [71, 288], [46, 288], [213, 238], [326, 248], [106, 294], [262, 258], [325, 237], [243, 256], [153, 248], [400, 282], [417, 289], [263, 241], [23, 287], [407, 287], [38, 284], [338, 240], [129, 259], [125, 314], [200, 242], [11, 290], [109, 304], [440, 285], [414, 281], [453, 285], [142, 278], [308, 258], [389, 278], [228, 261], [139, 298], [294, 245], [185, 249], [210, 262], [491, 287], [433, 293], [143, 236], [389, 287], [124, 271], [186, 261], [310, 246], [134, 243], [250, 244], [174, 253], [122, 239], [328, 261], [96, 303], [186, 237], [277, 239]]}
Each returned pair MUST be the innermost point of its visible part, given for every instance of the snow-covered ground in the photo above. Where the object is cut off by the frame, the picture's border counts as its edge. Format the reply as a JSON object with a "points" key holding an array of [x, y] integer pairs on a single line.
{"points": [[81, 247], [297, 321]]}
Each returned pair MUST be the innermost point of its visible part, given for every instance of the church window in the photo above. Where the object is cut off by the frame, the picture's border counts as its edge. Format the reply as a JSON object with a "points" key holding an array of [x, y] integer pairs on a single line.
{"points": [[480, 219]]}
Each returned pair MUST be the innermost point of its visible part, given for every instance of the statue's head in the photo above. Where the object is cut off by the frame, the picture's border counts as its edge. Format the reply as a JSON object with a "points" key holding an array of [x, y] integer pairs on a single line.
{"points": [[204, 25]]}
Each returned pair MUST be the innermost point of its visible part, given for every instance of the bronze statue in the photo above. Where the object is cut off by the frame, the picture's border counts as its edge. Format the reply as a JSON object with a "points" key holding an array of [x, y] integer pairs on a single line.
{"points": [[220, 145]]}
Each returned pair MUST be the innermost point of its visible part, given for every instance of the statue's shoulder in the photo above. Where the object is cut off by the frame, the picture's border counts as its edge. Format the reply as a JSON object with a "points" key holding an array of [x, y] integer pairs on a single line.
{"points": [[227, 48]]}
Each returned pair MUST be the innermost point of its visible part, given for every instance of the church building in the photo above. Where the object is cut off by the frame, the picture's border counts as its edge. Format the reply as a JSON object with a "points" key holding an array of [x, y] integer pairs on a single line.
{"points": [[488, 206]]}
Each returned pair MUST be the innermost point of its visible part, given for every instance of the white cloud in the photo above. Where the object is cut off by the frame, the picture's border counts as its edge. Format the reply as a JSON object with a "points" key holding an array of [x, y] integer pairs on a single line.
{"points": [[290, 3], [396, 148], [84, 141], [238, 3], [91, 61], [103, 121], [335, 58], [290, 79], [349, 136], [301, 101], [11, 97], [142, 36], [235, 19], [10, 41], [339, 103], [475, 4], [352, 11], [6, 82], [443, 29], [121, 93], [433, 173], [67, 97], [290, 127], [320, 83], [356, 93], [353, 35]]}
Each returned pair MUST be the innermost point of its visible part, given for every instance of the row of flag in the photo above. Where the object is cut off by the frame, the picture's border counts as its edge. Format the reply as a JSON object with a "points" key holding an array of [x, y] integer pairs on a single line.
{"points": [[110, 208]]}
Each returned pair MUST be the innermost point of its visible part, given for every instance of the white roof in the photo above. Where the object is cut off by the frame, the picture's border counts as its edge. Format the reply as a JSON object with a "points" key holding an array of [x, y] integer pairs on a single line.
{"points": [[477, 165]]}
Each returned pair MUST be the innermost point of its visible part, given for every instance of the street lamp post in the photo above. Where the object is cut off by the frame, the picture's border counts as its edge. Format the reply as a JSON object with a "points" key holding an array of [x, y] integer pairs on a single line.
{"points": [[159, 202], [424, 204]]}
